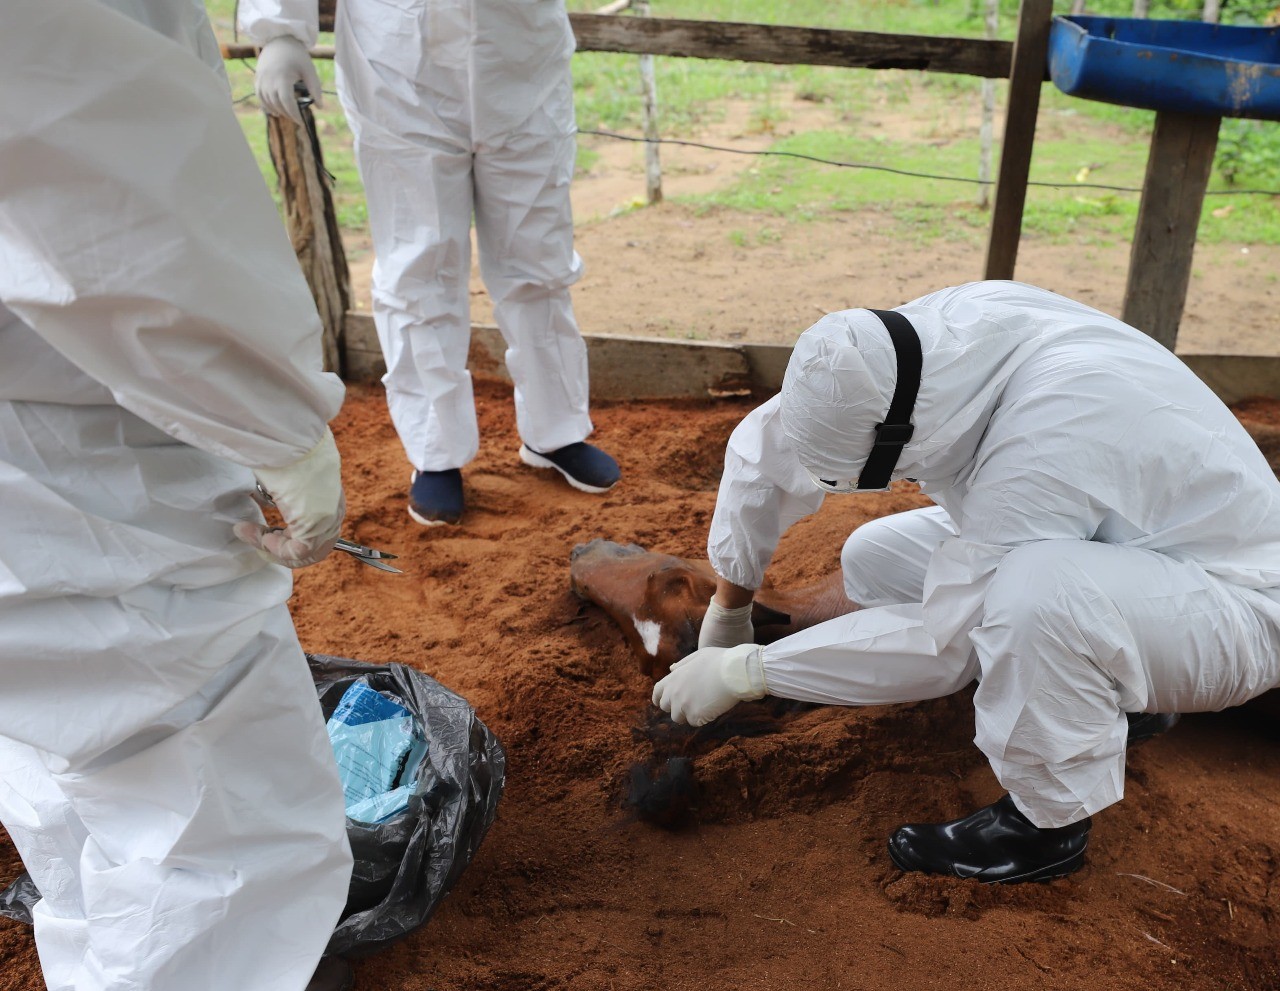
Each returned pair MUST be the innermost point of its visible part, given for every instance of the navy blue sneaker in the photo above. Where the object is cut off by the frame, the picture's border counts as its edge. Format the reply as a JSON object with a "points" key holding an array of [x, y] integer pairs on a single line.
{"points": [[435, 497], [583, 466]]}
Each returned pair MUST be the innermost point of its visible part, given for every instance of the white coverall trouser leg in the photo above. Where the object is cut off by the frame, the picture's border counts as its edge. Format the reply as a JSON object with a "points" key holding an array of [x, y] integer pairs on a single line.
{"points": [[1073, 635], [423, 177], [164, 768], [96, 840]]}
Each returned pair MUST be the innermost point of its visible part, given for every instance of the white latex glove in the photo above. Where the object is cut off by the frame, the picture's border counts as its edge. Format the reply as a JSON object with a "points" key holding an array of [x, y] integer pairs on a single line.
{"points": [[723, 627], [308, 494], [282, 62], [710, 682]]}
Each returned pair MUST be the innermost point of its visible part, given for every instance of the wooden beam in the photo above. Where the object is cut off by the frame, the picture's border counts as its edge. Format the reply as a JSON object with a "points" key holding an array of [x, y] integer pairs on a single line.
{"points": [[621, 367], [1030, 63], [850, 49], [238, 50], [778, 44], [653, 368], [1178, 168], [785, 45]]}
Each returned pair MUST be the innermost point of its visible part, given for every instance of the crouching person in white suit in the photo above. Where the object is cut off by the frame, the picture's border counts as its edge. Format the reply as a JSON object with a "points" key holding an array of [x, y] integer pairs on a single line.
{"points": [[1106, 541], [164, 768]]}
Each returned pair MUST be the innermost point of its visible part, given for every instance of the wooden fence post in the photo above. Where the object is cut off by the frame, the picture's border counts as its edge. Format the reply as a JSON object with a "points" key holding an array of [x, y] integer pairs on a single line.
{"points": [[313, 225], [1030, 61], [1178, 168], [987, 128], [652, 158]]}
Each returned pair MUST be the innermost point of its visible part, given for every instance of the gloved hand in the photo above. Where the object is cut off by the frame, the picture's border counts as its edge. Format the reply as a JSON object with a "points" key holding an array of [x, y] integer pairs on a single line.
{"points": [[282, 62], [710, 682], [723, 627], [308, 494]]}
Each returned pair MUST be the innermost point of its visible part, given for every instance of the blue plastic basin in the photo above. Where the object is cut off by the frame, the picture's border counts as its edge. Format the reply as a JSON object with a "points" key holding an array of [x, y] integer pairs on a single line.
{"points": [[1184, 66]]}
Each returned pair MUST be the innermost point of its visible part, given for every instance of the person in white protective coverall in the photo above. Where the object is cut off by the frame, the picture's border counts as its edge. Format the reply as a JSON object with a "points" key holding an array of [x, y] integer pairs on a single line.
{"points": [[1106, 540], [164, 768], [458, 106]]}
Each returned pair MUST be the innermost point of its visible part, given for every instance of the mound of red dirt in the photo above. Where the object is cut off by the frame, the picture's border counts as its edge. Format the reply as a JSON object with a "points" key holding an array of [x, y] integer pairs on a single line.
{"points": [[777, 876]]}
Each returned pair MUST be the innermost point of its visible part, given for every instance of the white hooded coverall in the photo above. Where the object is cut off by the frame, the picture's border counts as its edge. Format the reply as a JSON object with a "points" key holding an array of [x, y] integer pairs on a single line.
{"points": [[164, 768], [1106, 537], [459, 106]]}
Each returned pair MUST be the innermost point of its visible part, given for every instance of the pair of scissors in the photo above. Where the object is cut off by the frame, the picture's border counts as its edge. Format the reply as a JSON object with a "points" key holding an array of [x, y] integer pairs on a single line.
{"points": [[365, 555]]}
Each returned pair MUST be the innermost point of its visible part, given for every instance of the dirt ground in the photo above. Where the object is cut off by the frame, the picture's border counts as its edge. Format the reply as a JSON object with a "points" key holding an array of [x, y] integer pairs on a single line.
{"points": [[781, 879], [675, 271]]}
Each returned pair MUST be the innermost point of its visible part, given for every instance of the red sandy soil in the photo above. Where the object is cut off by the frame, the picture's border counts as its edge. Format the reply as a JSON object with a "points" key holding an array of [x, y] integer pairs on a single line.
{"points": [[781, 880]]}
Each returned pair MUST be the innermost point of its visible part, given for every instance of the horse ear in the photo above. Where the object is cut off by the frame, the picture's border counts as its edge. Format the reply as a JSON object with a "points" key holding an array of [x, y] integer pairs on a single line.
{"points": [[762, 615]]}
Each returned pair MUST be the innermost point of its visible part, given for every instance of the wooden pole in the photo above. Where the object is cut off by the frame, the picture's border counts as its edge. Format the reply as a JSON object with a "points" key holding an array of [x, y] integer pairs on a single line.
{"points": [[1178, 168], [777, 44], [313, 225], [987, 129], [240, 50], [1030, 60], [652, 157]]}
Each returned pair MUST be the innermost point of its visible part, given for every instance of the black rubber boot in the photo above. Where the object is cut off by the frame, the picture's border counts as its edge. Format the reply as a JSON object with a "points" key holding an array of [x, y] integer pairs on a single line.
{"points": [[332, 974], [997, 844]]}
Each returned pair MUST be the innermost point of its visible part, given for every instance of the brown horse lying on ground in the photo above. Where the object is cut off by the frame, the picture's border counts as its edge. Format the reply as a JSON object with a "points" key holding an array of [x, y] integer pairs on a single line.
{"points": [[659, 600]]}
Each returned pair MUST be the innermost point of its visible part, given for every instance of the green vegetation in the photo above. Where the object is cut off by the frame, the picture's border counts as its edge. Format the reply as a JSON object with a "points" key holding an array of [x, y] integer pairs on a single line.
{"points": [[1078, 142]]}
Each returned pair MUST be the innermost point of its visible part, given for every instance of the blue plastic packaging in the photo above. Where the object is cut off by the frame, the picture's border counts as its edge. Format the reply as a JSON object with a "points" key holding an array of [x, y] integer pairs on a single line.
{"points": [[378, 750]]}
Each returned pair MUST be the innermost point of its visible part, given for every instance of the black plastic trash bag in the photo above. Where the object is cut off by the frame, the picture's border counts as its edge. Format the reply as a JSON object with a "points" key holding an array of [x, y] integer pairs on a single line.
{"points": [[17, 899], [406, 865]]}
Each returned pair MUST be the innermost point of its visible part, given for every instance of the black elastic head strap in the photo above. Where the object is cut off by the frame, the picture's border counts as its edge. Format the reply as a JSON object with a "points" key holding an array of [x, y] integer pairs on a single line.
{"points": [[893, 434]]}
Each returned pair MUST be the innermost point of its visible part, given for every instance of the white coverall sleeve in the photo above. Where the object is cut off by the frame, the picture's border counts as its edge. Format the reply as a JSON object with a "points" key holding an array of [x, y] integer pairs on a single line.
{"points": [[903, 653], [763, 491], [159, 267], [262, 20]]}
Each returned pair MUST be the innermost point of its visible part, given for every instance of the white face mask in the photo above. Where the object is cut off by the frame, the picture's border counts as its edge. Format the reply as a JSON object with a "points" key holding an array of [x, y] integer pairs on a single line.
{"points": [[840, 487]]}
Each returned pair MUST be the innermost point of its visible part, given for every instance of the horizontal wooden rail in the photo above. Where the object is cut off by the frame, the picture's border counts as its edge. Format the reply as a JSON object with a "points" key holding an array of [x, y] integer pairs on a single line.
{"points": [[628, 368], [238, 50], [776, 44], [785, 45]]}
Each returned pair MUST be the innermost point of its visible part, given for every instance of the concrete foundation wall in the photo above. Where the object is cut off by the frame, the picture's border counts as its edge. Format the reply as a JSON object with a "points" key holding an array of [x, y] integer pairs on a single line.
{"points": [[657, 368]]}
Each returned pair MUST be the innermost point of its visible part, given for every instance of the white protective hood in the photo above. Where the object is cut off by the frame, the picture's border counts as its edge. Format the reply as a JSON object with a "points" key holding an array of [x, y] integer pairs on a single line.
{"points": [[1040, 393], [843, 372]]}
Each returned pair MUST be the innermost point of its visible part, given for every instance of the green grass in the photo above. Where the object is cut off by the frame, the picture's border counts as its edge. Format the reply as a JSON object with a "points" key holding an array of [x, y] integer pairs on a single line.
{"points": [[927, 209], [693, 94]]}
